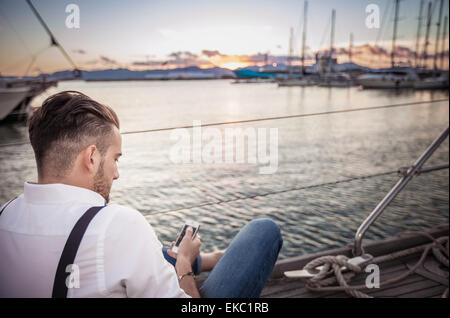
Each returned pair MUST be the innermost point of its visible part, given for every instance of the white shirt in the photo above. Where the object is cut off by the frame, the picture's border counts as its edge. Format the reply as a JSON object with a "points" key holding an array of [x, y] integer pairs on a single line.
{"points": [[119, 255]]}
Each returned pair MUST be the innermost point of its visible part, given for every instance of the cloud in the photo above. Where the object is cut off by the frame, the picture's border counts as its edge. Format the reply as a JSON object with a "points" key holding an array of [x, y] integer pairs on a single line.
{"points": [[101, 61], [183, 55], [174, 60], [210, 53], [365, 54], [107, 60], [210, 58], [186, 58], [79, 51]]}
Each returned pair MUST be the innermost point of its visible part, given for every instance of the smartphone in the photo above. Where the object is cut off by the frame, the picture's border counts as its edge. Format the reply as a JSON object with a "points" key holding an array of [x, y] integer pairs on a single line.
{"points": [[189, 223]]}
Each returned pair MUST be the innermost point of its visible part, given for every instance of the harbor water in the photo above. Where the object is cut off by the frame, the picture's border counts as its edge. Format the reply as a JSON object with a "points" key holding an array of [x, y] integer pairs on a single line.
{"points": [[311, 150]]}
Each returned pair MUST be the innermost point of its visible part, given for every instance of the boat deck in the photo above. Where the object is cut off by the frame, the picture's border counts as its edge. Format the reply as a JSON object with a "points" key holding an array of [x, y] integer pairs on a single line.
{"points": [[430, 281], [421, 284]]}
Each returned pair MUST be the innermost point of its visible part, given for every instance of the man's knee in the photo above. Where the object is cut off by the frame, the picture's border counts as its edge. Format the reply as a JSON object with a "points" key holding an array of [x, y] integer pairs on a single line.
{"points": [[268, 228]]}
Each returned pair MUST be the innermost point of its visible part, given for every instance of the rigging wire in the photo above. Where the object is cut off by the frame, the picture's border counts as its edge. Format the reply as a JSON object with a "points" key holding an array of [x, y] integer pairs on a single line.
{"points": [[265, 119], [325, 32], [52, 37], [31, 55], [53, 42], [424, 170], [288, 116], [11, 26], [382, 30], [34, 58], [26, 58], [269, 193]]}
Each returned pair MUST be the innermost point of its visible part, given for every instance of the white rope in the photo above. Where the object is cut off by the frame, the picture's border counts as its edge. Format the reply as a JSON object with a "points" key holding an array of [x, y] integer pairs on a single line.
{"points": [[321, 281]]}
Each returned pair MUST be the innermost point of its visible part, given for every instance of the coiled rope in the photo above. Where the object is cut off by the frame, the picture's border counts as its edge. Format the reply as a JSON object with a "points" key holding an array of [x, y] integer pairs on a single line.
{"points": [[334, 265]]}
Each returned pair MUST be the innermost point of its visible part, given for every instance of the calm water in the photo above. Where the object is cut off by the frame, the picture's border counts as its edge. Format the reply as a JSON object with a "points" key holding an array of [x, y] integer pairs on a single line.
{"points": [[311, 151]]}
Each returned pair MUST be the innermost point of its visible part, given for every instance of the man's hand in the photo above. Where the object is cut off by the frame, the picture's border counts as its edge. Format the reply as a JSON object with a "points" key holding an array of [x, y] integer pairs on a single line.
{"points": [[188, 251], [190, 246]]}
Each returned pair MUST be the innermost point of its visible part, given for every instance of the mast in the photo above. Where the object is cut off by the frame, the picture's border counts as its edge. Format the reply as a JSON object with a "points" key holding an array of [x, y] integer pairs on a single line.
{"points": [[350, 48], [443, 42], [438, 32], [333, 22], [394, 35], [427, 34], [305, 10], [419, 28], [291, 50]]}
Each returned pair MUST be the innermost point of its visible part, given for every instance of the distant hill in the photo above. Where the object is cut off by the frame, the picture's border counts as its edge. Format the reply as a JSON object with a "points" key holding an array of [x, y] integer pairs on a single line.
{"points": [[191, 72]]}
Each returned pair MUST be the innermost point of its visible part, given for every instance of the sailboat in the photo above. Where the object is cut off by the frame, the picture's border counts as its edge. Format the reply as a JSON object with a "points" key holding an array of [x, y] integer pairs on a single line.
{"points": [[436, 81], [10, 98], [16, 94], [394, 77], [336, 80], [389, 78], [303, 79], [406, 77], [432, 79], [327, 64], [297, 82]]}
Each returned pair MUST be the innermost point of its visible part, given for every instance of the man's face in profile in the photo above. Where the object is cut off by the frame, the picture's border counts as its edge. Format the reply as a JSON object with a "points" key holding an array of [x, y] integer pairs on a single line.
{"points": [[108, 170]]}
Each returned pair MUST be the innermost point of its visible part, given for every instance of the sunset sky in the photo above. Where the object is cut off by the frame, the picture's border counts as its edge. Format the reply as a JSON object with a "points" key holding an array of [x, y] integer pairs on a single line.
{"points": [[174, 33]]}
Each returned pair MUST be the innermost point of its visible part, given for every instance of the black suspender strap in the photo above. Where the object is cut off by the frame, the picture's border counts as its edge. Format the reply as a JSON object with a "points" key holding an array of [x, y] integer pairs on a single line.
{"points": [[7, 205], [70, 251]]}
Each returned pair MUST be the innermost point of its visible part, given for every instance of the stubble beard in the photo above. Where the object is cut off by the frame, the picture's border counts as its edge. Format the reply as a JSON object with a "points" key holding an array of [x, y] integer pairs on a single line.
{"points": [[101, 185]]}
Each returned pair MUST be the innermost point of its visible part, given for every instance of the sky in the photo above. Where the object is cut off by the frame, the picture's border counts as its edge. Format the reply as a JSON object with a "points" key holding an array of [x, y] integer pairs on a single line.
{"points": [[151, 34]]}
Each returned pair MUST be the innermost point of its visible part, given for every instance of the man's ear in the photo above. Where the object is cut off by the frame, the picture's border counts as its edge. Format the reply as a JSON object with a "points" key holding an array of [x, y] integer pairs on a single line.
{"points": [[91, 159]]}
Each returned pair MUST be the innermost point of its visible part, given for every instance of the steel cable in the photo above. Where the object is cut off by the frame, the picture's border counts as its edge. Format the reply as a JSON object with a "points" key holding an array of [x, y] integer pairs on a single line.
{"points": [[265, 119]]}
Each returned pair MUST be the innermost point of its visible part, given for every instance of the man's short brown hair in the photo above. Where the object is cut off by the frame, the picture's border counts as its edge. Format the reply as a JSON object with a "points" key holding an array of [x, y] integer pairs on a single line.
{"points": [[66, 123]]}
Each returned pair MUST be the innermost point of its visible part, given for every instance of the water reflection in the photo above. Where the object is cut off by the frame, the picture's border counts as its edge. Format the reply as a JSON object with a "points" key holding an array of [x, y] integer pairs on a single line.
{"points": [[311, 150]]}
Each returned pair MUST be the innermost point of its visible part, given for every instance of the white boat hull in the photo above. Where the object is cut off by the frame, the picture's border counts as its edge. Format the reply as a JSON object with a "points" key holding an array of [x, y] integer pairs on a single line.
{"points": [[294, 82], [10, 98], [337, 84], [431, 83], [385, 83], [397, 78]]}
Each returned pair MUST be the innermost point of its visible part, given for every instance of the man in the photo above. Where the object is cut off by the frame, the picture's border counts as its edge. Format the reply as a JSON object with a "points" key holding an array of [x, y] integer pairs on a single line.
{"points": [[61, 238]]}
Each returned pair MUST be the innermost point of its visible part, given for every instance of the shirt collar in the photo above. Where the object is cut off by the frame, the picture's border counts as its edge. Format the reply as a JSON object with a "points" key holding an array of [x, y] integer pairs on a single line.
{"points": [[60, 193]]}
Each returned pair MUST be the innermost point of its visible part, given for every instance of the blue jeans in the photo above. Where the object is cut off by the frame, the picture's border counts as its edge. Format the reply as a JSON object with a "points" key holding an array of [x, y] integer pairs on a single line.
{"points": [[243, 270]]}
